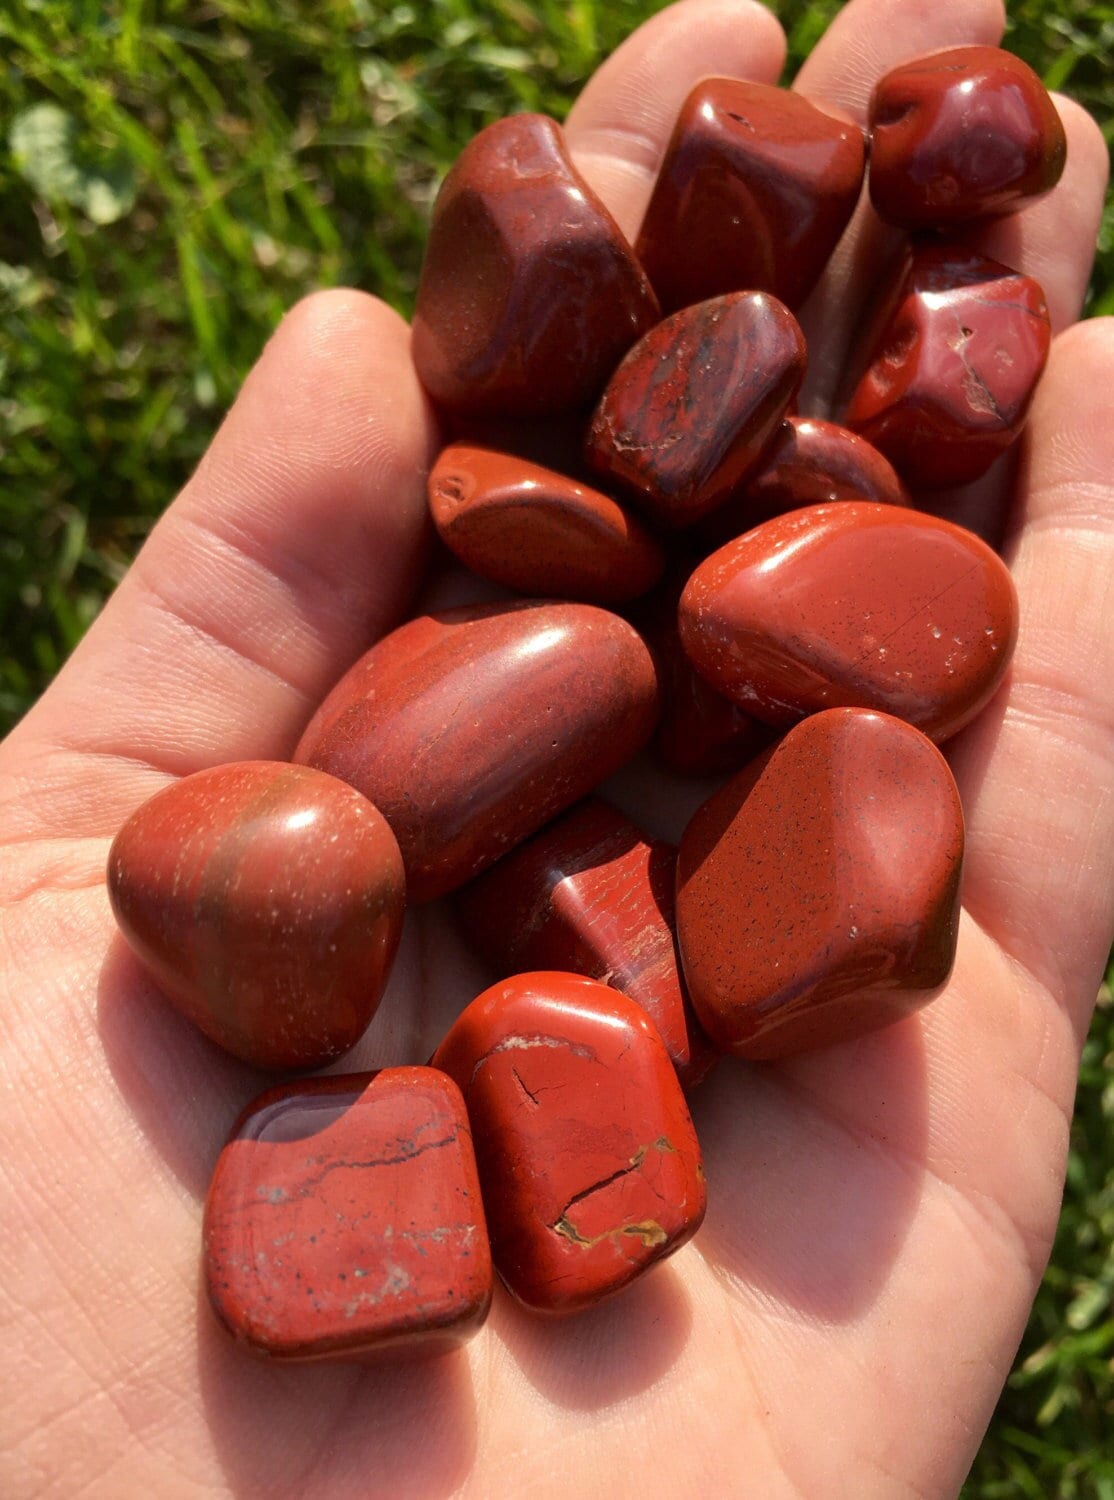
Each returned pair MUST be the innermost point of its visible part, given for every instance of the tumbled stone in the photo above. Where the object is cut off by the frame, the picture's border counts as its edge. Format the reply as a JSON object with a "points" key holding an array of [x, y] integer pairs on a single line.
{"points": [[344, 1220], [591, 894], [529, 294], [693, 405], [853, 604], [266, 902], [472, 727], [950, 377], [528, 528], [588, 1160], [961, 134], [818, 892], [756, 187]]}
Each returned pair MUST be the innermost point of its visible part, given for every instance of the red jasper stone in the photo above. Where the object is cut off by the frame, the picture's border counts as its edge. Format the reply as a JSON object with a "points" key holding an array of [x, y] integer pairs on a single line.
{"points": [[591, 893], [529, 294], [344, 1220], [266, 901], [756, 188], [691, 408], [810, 462], [951, 375], [472, 727], [857, 605], [960, 134], [588, 1160], [528, 528], [818, 892]]}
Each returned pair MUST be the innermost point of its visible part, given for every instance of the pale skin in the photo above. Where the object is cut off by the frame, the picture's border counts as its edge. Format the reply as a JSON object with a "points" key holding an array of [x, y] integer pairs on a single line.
{"points": [[879, 1213]]}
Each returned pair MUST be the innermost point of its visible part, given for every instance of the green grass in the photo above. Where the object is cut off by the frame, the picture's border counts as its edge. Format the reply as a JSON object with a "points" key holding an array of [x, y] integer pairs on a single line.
{"points": [[195, 169]]}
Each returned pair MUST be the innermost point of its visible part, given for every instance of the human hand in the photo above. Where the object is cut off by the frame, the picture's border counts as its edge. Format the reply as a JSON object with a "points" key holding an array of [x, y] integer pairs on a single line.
{"points": [[879, 1213]]}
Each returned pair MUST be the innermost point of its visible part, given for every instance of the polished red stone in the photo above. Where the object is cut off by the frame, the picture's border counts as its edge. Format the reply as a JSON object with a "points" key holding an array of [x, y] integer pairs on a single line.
{"points": [[809, 462], [588, 1160], [529, 294], [344, 1220], [691, 408], [266, 901], [591, 894], [818, 892], [472, 727], [950, 377], [853, 604], [756, 188], [960, 134], [534, 530]]}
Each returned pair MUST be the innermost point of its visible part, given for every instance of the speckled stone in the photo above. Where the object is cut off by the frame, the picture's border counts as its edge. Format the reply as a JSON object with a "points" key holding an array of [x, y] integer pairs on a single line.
{"points": [[266, 902], [960, 134], [529, 294], [691, 408], [950, 376], [818, 892], [344, 1220], [591, 894], [756, 187], [472, 727], [525, 527], [853, 604]]}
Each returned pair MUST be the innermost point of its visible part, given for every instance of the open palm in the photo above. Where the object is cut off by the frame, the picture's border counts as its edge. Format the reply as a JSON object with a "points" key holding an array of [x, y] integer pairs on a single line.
{"points": [[879, 1213]]}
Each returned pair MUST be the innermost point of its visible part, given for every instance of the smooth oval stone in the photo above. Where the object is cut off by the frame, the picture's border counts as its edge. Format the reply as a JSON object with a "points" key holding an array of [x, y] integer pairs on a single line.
{"points": [[588, 1160], [951, 375], [854, 604], [591, 894], [961, 134], [818, 892], [529, 294], [756, 187], [344, 1220], [266, 901], [472, 727], [691, 408], [528, 528]]}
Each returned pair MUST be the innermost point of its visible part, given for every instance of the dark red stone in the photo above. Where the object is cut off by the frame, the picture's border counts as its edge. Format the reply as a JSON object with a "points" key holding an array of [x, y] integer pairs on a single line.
{"points": [[818, 892], [529, 294], [591, 894], [951, 375], [960, 134], [691, 408], [266, 901], [473, 727], [534, 530], [588, 1160], [755, 190], [344, 1220], [853, 604]]}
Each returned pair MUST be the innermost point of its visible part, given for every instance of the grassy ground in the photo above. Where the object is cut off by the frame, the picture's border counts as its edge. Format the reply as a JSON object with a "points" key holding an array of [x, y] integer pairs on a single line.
{"points": [[178, 174]]}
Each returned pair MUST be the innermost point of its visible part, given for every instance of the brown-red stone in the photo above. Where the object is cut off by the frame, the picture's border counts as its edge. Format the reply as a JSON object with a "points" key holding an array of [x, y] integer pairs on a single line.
{"points": [[345, 1220], [588, 1160], [591, 894], [472, 727], [529, 294], [950, 376], [960, 134], [266, 901], [756, 187], [691, 408], [853, 605], [531, 529], [818, 892]]}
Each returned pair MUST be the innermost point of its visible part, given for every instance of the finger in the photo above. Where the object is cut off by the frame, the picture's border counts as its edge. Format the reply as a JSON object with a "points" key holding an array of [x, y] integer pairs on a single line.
{"points": [[1037, 770], [295, 543], [619, 127]]}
